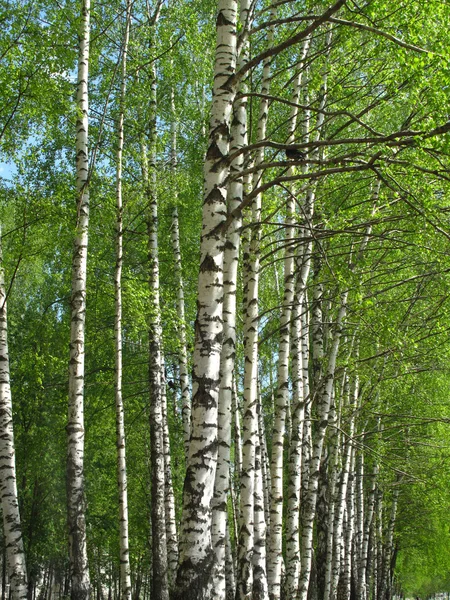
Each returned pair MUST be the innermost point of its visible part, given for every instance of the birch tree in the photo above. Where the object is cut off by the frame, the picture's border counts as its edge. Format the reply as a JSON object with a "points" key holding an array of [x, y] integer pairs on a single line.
{"points": [[160, 584], [194, 580], [12, 528], [235, 192], [125, 575], [76, 503]]}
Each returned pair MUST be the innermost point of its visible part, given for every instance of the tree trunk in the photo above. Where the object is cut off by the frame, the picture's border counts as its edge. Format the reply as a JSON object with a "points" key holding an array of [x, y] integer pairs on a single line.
{"points": [[175, 238], [160, 587], [169, 498], [197, 557], [125, 575], [12, 529], [76, 504], [227, 359], [275, 559]]}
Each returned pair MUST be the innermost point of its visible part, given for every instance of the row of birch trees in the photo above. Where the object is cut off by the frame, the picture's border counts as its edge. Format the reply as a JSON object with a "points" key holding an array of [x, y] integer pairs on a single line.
{"points": [[261, 415]]}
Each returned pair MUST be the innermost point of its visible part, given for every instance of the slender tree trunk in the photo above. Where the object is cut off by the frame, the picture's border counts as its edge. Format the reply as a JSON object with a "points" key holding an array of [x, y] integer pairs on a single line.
{"points": [[160, 588], [275, 559], [197, 557], [252, 577], [323, 409], [76, 504], [246, 541], [230, 583], [12, 529], [295, 459], [389, 545], [237, 455], [227, 360], [237, 432], [345, 576], [265, 466], [175, 238], [360, 567], [324, 579], [125, 575], [169, 497], [363, 572], [340, 549], [4, 559], [260, 588]]}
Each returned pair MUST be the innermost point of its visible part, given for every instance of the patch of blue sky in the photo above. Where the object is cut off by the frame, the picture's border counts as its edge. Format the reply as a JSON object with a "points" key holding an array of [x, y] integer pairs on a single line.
{"points": [[7, 170]]}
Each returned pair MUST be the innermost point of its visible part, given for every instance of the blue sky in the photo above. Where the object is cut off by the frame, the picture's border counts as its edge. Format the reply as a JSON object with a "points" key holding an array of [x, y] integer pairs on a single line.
{"points": [[7, 170]]}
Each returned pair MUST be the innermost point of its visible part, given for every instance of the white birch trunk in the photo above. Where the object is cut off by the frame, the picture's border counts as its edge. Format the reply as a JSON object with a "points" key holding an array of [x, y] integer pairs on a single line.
{"points": [[237, 457], [295, 459], [306, 435], [332, 544], [339, 549], [227, 359], [360, 568], [246, 542], [197, 557], [349, 531], [275, 561], [260, 588], [363, 573], [175, 239], [169, 497], [76, 503], [160, 586], [125, 574], [251, 580], [389, 545], [230, 582], [265, 467], [323, 409], [12, 529]]}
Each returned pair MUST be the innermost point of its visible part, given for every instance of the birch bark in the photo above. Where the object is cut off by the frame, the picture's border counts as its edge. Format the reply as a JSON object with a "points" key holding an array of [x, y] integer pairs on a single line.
{"points": [[323, 409], [175, 238], [260, 588], [12, 529], [197, 558], [76, 503], [252, 580], [125, 574], [169, 497], [339, 542], [275, 558], [156, 368], [389, 545], [227, 360]]}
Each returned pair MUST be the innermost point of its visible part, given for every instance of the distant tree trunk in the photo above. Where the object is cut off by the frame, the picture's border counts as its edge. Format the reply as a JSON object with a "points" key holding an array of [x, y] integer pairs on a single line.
{"points": [[125, 575], [12, 529], [325, 536], [175, 238], [169, 498], [386, 578], [340, 547], [230, 584], [160, 587], [197, 557], [251, 571], [323, 410], [76, 503], [260, 587], [275, 558]]}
